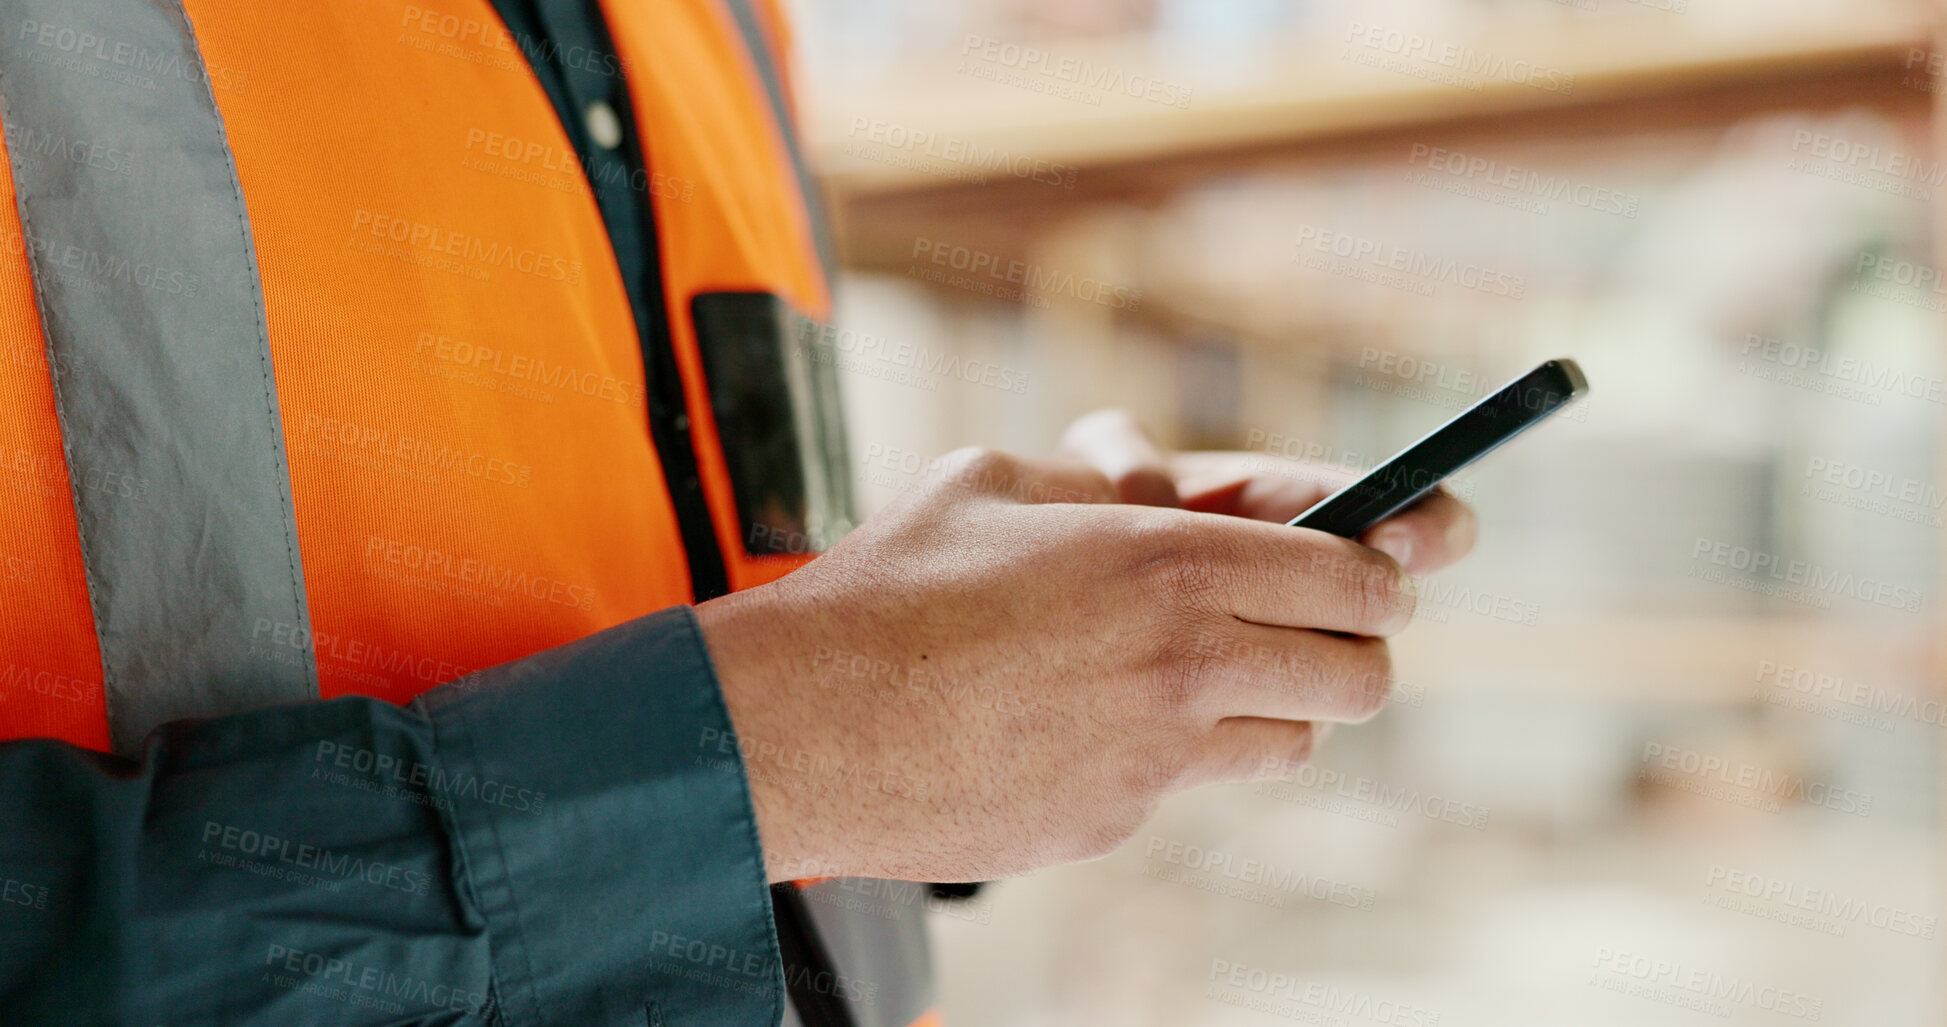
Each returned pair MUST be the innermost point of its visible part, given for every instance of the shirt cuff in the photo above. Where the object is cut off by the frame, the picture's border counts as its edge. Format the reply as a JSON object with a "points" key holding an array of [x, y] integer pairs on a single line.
{"points": [[611, 846]]}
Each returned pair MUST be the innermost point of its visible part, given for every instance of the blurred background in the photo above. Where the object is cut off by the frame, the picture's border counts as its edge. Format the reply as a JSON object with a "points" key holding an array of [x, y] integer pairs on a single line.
{"points": [[1666, 749]]}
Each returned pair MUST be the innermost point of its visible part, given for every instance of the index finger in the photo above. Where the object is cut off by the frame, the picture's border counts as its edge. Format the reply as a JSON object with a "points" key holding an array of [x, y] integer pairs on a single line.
{"points": [[1291, 577], [1428, 536], [1256, 485], [1115, 443]]}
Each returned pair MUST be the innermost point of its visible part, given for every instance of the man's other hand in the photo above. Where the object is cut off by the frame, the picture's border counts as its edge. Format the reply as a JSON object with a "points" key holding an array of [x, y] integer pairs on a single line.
{"points": [[1425, 537]]}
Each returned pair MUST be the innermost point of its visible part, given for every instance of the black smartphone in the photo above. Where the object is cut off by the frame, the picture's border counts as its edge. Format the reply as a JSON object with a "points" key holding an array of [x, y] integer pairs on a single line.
{"points": [[1415, 470]]}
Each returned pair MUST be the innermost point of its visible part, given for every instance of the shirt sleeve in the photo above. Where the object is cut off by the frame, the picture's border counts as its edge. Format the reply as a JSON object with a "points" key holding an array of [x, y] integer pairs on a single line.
{"points": [[565, 839]]}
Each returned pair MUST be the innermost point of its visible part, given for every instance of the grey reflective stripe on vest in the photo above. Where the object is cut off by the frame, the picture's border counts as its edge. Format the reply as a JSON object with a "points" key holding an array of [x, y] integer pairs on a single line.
{"points": [[759, 46], [147, 284], [875, 932]]}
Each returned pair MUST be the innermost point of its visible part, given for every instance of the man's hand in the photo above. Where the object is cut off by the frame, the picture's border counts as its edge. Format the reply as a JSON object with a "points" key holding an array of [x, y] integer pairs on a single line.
{"points": [[1008, 668], [1425, 537]]}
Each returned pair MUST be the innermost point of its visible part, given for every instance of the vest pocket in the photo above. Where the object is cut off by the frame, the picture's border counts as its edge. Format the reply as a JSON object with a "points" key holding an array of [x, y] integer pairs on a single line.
{"points": [[774, 395]]}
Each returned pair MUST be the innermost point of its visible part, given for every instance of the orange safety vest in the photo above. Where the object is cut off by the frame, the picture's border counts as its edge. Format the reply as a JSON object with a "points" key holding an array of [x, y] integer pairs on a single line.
{"points": [[453, 357]]}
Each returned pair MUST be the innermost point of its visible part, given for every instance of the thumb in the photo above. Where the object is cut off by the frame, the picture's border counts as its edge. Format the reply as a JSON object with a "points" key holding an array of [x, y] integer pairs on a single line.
{"points": [[1114, 443]]}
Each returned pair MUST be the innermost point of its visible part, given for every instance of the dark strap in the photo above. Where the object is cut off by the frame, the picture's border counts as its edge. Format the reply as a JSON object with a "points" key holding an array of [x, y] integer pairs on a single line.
{"points": [[805, 959]]}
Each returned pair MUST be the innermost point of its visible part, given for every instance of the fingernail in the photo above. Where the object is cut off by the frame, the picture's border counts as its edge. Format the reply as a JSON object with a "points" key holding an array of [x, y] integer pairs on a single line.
{"points": [[1396, 544]]}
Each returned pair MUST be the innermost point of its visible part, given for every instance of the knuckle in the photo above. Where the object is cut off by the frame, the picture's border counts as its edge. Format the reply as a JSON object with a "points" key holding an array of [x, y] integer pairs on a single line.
{"points": [[1090, 486], [1375, 589], [1463, 531], [1100, 488], [1297, 752], [1179, 563], [1280, 760], [1372, 678], [1156, 772], [1190, 582], [1289, 668], [977, 466], [1301, 748], [1405, 598], [1184, 668]]}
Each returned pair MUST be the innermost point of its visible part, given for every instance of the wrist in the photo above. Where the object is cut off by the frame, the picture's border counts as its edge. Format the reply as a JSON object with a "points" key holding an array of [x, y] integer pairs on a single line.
{"points": [[749, 641]]}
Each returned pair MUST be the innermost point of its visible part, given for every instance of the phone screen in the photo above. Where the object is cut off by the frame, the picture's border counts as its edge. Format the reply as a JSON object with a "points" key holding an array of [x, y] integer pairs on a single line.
{"points": [[1418, 468]]}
